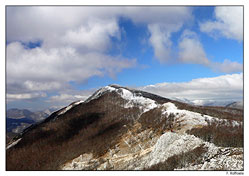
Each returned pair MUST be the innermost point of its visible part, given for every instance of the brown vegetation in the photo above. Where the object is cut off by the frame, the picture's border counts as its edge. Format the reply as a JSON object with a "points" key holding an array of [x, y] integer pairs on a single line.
{"points": [[93, 127], [224, 135], [215, 111], [98, 125], [156, 120]]}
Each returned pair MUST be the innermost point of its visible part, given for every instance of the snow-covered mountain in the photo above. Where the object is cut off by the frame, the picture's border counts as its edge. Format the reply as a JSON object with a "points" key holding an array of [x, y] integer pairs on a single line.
{"points": [[118, 128], [204, 102]]}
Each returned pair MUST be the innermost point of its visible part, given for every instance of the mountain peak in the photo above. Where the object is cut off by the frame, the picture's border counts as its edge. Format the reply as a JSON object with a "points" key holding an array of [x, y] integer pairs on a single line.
{"points": [[118, 128], [115, 86]]}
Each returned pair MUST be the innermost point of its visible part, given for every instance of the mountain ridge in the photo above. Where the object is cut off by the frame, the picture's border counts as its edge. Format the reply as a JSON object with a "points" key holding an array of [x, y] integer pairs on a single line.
{"points": [[118, 128]]}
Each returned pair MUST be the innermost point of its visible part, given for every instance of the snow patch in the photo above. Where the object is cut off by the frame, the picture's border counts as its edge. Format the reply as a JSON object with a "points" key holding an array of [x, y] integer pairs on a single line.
{"points": [[221, 159], [70, 106], [169, 107], [100, 92], [13, 143], [188, 119], [145, 103], [78, 102], [65, 110], [170, 144]]}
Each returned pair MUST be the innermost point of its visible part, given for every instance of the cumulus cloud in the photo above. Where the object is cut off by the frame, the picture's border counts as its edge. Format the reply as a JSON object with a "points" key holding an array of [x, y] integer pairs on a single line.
{"points": [[160, 40], [191, 49], [95, 35], [90, 27], [75, 43], [228, 23], [162, 22], [227, 66], [161, 32], [224, 87], [49, 23], [41, 69]]}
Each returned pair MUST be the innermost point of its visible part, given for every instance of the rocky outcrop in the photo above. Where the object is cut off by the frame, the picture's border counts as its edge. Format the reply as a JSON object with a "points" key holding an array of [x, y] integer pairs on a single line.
{"points": [[170, 151]]}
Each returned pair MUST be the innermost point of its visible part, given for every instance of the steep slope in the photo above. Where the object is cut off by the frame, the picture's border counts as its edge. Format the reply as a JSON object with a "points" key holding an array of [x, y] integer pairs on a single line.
{"points": [[19, 119], [238, 105], [17, 125], [118, 128]]}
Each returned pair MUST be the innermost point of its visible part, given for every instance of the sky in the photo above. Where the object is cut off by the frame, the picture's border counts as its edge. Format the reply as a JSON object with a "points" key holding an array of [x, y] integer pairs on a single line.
{"points": [[59, 54]]}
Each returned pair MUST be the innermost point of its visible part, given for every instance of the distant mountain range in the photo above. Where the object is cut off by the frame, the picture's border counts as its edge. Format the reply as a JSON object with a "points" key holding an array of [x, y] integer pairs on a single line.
{"points": [[118, 128], [19, 119], [238, 105], [224, 103]]}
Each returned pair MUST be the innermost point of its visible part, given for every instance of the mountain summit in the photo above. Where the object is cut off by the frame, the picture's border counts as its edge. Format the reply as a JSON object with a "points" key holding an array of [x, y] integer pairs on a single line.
{"points": [[119, 128]]}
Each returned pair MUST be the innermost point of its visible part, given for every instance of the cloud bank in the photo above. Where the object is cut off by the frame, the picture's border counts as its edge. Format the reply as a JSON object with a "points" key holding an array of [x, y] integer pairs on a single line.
{"points": [[225, 87]]}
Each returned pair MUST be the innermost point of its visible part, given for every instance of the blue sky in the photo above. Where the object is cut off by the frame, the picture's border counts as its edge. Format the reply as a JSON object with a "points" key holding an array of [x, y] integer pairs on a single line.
{"points": [[58, 55]]}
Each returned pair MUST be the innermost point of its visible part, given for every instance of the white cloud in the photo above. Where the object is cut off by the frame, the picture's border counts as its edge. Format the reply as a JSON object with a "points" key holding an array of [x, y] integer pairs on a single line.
{"points": [[90, 27], [228, 23], [51, 69], [67, 98], [227, 66], [25, 96], [160, 40], [40, 86], [95, 35], [161, 23], [228, 87], [191, 49], [162, 28], [75, 43], [49, 23]]}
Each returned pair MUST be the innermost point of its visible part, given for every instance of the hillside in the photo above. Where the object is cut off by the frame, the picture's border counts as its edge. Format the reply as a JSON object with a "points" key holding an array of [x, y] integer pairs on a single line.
{"points": [[19, 119], [238, 105], [118, 128]]}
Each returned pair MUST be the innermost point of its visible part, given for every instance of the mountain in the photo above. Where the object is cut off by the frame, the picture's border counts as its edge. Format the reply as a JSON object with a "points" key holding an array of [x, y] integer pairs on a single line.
{"points": [[17, 125], [118, 128], [24, 113], [223, 103], [238, 105], [19, 119]]}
